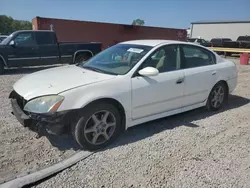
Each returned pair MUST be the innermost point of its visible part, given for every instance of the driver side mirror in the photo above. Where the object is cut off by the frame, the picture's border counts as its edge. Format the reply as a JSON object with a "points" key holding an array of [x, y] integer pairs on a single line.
{"points": [[12, 43], [149, 71]]}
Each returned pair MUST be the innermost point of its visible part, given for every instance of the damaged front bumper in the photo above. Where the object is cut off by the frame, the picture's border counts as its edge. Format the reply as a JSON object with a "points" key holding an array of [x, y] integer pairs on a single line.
{"points": [[53, 123]]}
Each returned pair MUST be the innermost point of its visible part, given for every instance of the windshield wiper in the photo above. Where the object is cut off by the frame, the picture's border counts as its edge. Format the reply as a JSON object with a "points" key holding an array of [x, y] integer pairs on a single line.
{"points": [[98, 70]]}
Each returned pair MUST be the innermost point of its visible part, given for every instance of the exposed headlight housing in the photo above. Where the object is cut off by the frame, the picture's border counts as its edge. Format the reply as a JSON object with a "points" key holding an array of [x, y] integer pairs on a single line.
{"points": [[44, 104]]}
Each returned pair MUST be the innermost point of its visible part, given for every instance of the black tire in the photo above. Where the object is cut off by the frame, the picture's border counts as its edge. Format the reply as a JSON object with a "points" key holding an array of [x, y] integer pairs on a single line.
{"points": [[1, 68], [211, 106], [82, 57], [83, 120]]}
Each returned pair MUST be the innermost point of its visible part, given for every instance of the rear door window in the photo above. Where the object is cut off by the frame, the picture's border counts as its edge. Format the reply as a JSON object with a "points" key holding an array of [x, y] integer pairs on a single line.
{"points": [[195, 56], [44, 38]]}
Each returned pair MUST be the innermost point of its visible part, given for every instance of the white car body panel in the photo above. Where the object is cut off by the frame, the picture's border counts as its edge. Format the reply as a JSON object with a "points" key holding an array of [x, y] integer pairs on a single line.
{"points": [[198, 83], [157, 94], [64, 78], [143, 98]]}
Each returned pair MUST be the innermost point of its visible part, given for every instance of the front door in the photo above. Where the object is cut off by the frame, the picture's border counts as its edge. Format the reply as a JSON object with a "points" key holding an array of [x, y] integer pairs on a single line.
{"points": [[200, 74], [161, 93], [25, 50]]}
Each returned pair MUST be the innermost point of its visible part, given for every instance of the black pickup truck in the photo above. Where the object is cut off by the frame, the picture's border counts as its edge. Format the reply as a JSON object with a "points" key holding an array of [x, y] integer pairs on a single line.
{"points": [[36, 48], [199, 41], [241, 42], [219, 42]]}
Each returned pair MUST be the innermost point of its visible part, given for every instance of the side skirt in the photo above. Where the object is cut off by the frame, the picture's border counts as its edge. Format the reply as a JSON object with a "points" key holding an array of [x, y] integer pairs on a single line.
{"points": [[131, 123]]}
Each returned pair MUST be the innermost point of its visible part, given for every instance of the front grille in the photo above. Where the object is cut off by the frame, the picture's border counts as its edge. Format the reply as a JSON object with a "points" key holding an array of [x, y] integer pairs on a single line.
{"points": [[20, 100]]}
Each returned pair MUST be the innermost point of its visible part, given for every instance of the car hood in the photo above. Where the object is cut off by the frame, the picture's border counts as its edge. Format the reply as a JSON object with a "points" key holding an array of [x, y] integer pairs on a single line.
{"points": [[57, 80]]}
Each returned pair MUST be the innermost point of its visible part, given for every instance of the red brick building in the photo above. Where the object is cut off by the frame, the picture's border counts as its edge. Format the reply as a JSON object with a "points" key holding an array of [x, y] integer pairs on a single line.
{"points": [[107, 33]]}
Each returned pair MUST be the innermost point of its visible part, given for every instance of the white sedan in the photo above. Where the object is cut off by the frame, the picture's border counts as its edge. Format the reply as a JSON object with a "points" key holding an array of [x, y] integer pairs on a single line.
{"points": [[127, 84]]}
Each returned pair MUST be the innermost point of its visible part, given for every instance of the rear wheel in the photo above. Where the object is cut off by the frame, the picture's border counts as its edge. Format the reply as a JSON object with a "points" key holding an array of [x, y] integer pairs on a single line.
{"points": [[82, 57], [99, 124], [217, 97]]}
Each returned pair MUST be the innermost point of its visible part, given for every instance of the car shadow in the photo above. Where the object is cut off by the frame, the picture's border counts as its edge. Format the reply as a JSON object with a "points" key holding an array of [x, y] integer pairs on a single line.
{"points": [[27, 70], [148, 129]]}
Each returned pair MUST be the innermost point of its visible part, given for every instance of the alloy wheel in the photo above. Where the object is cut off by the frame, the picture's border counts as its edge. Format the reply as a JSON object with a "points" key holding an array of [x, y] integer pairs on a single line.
{"points": [[100, 127], [218, 95]]}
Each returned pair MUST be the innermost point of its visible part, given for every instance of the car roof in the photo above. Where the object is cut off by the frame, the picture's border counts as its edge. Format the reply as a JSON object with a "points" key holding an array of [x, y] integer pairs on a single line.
{"points": [[152, 42], [19, 31]]}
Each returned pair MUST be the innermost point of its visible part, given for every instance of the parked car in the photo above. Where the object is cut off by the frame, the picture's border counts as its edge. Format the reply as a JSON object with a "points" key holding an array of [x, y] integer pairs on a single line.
{"points": [[219, 42], [2, 37], [127, 84], [33, 48], [241, 42], [222, 43], [200, 41]]}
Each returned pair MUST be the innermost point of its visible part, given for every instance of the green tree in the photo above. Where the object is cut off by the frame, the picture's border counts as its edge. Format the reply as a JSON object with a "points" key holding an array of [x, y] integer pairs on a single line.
{"points": [[138, 22], [9, 25]]}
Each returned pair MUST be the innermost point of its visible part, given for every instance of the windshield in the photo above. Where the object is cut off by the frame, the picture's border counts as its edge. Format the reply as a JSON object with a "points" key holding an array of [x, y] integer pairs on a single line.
{"points": [[7, 39], [118, 59], [2, 38]]}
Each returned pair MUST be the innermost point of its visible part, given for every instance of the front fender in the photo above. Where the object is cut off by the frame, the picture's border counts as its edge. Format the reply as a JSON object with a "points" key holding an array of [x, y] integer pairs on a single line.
{"points": [[80, 97]]}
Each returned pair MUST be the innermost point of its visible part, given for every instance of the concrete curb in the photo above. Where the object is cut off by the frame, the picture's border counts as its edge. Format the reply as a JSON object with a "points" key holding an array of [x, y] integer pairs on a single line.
{"points": [[44, 173]]}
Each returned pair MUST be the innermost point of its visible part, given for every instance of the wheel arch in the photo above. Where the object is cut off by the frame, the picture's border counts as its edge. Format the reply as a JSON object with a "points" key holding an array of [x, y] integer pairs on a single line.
{"points": [[223, 82], [112, 101], [82, 52], [3, 60]]}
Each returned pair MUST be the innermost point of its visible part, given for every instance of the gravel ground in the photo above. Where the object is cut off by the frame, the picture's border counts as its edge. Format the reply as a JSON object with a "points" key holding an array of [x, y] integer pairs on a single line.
{"points": [[194, 149], [20, 151]]}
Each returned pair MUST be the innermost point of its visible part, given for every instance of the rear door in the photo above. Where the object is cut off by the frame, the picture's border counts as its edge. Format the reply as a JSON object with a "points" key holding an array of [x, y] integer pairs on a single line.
{"points": [[199, 67], [48, 47], [25, 50]]}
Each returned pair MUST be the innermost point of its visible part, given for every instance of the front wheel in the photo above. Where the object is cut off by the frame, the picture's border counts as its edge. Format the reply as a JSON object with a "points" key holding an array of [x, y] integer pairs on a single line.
{"points": [[99, 124], [217, 97]]}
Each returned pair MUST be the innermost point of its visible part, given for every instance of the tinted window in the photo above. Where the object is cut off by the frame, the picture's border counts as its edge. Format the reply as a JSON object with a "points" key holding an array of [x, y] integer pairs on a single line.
{"points": [[195, 56], [203, 41], [24, 39], [165, 59], [216, 40], [225, 40], [2, 38], [244, 38], [191, 40], [44, 38]]}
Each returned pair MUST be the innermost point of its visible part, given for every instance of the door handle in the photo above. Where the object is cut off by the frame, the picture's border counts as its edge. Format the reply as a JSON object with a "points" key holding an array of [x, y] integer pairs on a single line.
{"points": [[214, 73], [180, 80]]}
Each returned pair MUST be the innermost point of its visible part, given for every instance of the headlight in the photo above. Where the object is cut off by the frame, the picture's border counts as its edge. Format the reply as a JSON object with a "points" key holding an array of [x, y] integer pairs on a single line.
{"points": [[44, 104]]}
